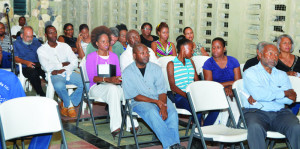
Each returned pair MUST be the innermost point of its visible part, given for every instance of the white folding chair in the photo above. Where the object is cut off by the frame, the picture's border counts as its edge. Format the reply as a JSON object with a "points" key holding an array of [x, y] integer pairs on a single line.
{"points": [[27, 116], [163, 61], [240, 96], [209, 95], [199, 62], [241, 68], [87, 98], [24, 81], [295, 81]]}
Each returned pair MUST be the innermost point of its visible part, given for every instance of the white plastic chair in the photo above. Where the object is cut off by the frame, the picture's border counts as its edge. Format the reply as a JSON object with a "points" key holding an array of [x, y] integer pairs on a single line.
{"points": [[241, 68], [199, 62], [238, 88], [209, 95], [24, 81], [27, 116], [163, 61]]}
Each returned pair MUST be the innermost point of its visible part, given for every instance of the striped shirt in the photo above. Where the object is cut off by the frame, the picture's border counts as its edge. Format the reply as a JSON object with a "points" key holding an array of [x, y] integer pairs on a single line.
{"points": [[5, 43], [161, 51], [183, 75]]}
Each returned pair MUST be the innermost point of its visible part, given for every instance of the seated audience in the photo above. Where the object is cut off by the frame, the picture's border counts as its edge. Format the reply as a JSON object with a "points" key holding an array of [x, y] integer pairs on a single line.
{"points": [[150, 99], [5, 56], [146, 37], [115, 45], [127, 58], [11, 88], [68, 37], [58, 61], [255, 60], [288, 62], [122, 32], [197, 47], [109, 88], [271, 90], [26, 53], [223, 69], [83, 40], [162, 47]]}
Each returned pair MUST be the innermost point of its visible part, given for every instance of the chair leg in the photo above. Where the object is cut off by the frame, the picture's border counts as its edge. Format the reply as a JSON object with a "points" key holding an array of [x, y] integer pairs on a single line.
{"points": [[221, 145], [188, 126], [122, 124], [288, 144], [272, 144], [22, 142], [267, 142], [79, 112], [92, 117], [134, 132], [191, 136], [232, 146], [242, 145]]}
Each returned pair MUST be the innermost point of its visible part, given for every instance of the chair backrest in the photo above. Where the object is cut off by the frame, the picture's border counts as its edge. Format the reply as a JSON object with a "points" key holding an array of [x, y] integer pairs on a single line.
{"points": [[241, 68], [295, 81], [207, 95], [237, 87], [27, 116], [82, 65], [199, 62], [163, 61]]}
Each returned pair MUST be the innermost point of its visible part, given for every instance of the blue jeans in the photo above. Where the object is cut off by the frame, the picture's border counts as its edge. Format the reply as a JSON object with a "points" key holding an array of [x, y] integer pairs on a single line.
{"points": [[59, 83], [183, 103], [38, 142], [165, 130], [283, 121]]}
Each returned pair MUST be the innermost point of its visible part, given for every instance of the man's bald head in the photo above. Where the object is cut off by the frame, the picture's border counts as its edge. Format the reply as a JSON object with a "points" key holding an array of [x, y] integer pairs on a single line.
{"points": [[27, 34], [133, 37], [138, 47]]}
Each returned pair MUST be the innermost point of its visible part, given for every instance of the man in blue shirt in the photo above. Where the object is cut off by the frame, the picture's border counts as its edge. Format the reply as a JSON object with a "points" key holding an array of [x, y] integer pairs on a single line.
{"points": [[270, 90], [26, 53], [144, 82], [10, 87]]}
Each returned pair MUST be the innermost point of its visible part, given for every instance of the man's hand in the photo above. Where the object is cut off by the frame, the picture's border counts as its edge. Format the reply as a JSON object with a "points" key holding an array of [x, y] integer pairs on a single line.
{"points": [[251, 100], [115, 80], [56, 72], [30, 64], [291, 94], [65, 63], [163, 109]]}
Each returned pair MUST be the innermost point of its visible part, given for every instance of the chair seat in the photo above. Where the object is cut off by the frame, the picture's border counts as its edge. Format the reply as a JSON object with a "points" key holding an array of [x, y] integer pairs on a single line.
{"points": [[275, 135], [222, 133], [71, 86], [183, 111], [298, 117]]}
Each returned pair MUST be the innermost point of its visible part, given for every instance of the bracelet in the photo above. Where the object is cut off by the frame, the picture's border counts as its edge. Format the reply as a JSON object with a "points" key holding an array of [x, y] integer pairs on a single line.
{"points": [[103, 79]]}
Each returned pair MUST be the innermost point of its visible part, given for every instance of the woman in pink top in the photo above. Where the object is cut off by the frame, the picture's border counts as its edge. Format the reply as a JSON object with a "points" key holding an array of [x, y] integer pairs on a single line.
{"points": [[107, 89]]}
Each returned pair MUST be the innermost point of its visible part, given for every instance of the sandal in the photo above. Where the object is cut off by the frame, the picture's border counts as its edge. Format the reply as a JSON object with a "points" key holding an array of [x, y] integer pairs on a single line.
{"points": [[116, 133]]}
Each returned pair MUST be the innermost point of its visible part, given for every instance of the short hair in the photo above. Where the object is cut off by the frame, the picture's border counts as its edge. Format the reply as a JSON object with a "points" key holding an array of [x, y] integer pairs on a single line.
{"points": [[219, 39], [23, 28], [22, 17], [264, 45], [121, 27], [186, 29], [137, 47], [68, 24], [259, 46], [114, 31], [181, 41], [46, 28], [97, 32], [160, 26], [83, 26], [280, 38], [146, 23]]}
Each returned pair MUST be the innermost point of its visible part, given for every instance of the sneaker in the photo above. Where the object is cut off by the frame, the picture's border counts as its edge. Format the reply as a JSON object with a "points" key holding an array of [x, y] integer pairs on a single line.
{"points": [[64, 111], [71, 112]]}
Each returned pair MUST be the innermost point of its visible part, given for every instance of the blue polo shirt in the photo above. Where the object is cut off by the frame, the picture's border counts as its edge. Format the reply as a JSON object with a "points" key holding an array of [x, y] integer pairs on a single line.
{"points": [[27, 52]]}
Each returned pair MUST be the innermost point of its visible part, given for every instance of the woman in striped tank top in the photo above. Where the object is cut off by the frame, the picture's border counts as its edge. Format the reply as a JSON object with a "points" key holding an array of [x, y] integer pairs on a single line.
{"points": [[181, 72], [162, 47]]}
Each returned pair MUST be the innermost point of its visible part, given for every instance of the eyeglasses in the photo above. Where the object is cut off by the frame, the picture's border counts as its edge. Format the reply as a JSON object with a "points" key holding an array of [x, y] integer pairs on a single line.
{"points": [[150, 29]]}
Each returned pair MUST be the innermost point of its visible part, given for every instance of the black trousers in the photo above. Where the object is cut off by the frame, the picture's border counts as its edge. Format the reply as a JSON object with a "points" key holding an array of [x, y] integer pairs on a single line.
{"points": [[33, 75]]}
